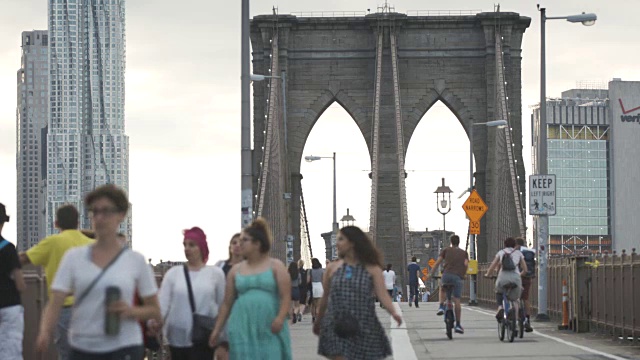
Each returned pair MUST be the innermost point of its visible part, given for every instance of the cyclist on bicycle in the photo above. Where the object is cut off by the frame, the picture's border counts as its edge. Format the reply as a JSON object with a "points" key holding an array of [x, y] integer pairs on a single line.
{"points": [[529, 259], [456, 262], [512, 267]]}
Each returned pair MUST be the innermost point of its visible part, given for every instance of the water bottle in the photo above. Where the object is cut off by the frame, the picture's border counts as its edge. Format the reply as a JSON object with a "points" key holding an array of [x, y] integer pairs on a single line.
{"points": [[111, 320]]}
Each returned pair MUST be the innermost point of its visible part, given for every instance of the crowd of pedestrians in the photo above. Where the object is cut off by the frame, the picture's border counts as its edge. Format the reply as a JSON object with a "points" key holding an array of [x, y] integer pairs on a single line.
{"points": [[104, 303]]}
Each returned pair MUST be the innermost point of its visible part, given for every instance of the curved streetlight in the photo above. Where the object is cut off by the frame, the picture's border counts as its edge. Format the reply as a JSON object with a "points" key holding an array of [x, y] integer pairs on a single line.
{"points": [[258, 77], [541, 158], [585, 19]]}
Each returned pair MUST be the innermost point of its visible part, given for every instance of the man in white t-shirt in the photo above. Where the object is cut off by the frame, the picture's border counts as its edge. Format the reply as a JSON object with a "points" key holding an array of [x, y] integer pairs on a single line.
{"points": [[389, 280]]}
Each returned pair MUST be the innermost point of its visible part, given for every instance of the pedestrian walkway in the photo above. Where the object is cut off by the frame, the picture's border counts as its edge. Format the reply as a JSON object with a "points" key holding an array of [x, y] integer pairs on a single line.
{"points": [[425, 332]]}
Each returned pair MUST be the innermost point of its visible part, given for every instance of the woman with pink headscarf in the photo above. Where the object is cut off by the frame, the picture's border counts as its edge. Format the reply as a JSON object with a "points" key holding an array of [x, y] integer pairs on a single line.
{"points": [[207, 283]]}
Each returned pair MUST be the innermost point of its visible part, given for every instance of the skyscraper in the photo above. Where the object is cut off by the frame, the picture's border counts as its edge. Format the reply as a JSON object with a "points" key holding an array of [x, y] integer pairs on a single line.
{"points": [[578, 139], [31, 129], [87, 145]]}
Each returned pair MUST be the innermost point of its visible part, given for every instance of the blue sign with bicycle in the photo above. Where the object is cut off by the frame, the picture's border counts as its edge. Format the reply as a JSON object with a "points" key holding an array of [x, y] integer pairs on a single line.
{"points": [[542, 195]]}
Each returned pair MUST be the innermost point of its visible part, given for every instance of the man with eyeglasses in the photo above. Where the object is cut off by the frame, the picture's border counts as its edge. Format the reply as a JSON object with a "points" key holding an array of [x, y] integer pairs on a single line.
{"points": [[48, 253]]}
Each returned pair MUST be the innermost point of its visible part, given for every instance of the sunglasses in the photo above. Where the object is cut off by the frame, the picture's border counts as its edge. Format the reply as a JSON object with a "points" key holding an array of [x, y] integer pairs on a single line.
{"points": [[105, 211]]}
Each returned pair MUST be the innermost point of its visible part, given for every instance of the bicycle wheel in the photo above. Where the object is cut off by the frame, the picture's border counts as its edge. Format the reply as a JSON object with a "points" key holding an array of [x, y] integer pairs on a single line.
{"points": [[448, 319], [520, 328], [501, 330], [511, 325]]}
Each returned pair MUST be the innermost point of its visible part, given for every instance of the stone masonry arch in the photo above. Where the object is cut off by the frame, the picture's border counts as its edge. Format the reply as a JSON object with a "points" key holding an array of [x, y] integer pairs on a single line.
{"points": [[446, 58]]}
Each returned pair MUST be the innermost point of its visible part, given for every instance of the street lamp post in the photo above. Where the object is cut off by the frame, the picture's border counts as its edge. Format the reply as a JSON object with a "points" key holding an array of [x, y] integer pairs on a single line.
{"points": [[443, 203], [541, 161], [472, 237], [348, 220], [334, 225]]}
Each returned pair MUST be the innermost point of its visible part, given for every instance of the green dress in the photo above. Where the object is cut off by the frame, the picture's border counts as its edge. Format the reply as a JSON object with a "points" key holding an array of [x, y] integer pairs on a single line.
{"points": [[249, 326]]}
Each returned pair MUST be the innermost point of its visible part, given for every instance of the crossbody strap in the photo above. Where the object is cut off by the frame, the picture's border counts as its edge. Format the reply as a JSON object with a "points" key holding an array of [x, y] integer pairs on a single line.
{"points": [[3, 243], [93, 283], [191, 301]]}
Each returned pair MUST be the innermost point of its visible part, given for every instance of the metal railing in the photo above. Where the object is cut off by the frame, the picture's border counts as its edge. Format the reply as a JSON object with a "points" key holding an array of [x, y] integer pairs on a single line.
{"points": [[604, 293], [329, 13], [442, 12]]}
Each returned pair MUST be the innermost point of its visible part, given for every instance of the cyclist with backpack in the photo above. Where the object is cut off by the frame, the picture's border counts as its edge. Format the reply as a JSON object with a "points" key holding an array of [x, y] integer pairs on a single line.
{"points": [[530, 260], [512, 267]]}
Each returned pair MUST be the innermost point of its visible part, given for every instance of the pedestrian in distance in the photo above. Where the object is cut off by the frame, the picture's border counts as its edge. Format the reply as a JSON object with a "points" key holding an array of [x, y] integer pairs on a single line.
{"points": [[235, 255], [315, 278], [103, 279], [425, 295], [192, 288], [529, 259], [414, 274], [304, 288], [294, 274], [48, 253], [257, 301], [12, 284], [347, 323], [389, 280]]}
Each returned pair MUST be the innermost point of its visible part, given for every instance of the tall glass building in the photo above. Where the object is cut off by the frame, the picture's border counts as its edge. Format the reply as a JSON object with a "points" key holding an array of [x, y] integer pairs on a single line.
{"points": [[87, 145], [578, 127], [31, 146]]}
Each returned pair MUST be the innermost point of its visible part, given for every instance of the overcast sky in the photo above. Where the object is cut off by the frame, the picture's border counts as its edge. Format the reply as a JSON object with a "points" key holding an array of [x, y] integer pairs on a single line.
{"points": [[183, 113]]}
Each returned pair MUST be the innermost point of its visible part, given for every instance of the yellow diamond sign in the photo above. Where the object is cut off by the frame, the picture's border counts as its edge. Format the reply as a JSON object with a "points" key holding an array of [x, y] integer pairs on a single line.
{"points": [[475, 206]]}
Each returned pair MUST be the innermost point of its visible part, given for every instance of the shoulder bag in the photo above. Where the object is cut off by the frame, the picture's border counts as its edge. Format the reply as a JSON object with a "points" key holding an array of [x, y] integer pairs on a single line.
{"points": [[345, 325], [202, 325]]}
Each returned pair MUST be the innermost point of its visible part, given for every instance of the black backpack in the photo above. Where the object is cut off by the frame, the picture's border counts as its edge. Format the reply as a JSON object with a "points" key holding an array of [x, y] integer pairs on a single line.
{"points": [[530, 260], [507, 262], [303, 278]]}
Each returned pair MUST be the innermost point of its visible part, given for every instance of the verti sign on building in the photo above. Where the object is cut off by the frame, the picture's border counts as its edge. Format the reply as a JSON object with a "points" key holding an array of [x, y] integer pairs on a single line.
{"points": [[475, 206], [542, 195]]}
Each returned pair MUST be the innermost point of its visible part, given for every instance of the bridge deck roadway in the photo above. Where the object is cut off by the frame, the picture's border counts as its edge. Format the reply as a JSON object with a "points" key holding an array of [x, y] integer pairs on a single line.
{"points": [[424, 331]]}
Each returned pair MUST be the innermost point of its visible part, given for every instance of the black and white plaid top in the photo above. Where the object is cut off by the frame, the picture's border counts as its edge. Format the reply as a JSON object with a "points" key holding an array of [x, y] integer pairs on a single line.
{"points": [[352, 291]]}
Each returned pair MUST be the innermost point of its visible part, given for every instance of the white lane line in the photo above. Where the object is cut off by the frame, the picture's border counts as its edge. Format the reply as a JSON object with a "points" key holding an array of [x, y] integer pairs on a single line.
{"points": [[568, 343], [400, 342]]}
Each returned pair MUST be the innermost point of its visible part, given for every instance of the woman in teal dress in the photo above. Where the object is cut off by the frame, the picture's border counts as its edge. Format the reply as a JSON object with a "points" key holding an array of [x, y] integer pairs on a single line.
{"points": [[257, 301]]}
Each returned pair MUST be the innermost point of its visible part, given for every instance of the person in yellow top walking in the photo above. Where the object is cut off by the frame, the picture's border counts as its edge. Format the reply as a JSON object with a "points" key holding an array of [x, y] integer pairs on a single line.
{"points": [[48, 253]]}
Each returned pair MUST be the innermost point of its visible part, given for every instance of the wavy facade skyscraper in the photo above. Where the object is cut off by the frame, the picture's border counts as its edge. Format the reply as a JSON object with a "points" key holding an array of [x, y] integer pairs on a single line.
{"points": [[87, 145]]}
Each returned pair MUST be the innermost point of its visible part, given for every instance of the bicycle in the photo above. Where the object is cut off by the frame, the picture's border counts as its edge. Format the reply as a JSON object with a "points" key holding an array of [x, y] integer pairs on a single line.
{"points": [[507, 325], [449, 314]]}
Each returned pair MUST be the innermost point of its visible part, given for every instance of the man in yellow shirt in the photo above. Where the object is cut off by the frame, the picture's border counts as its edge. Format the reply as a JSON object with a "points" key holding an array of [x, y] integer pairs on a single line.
{"points": [[48, 253]]}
